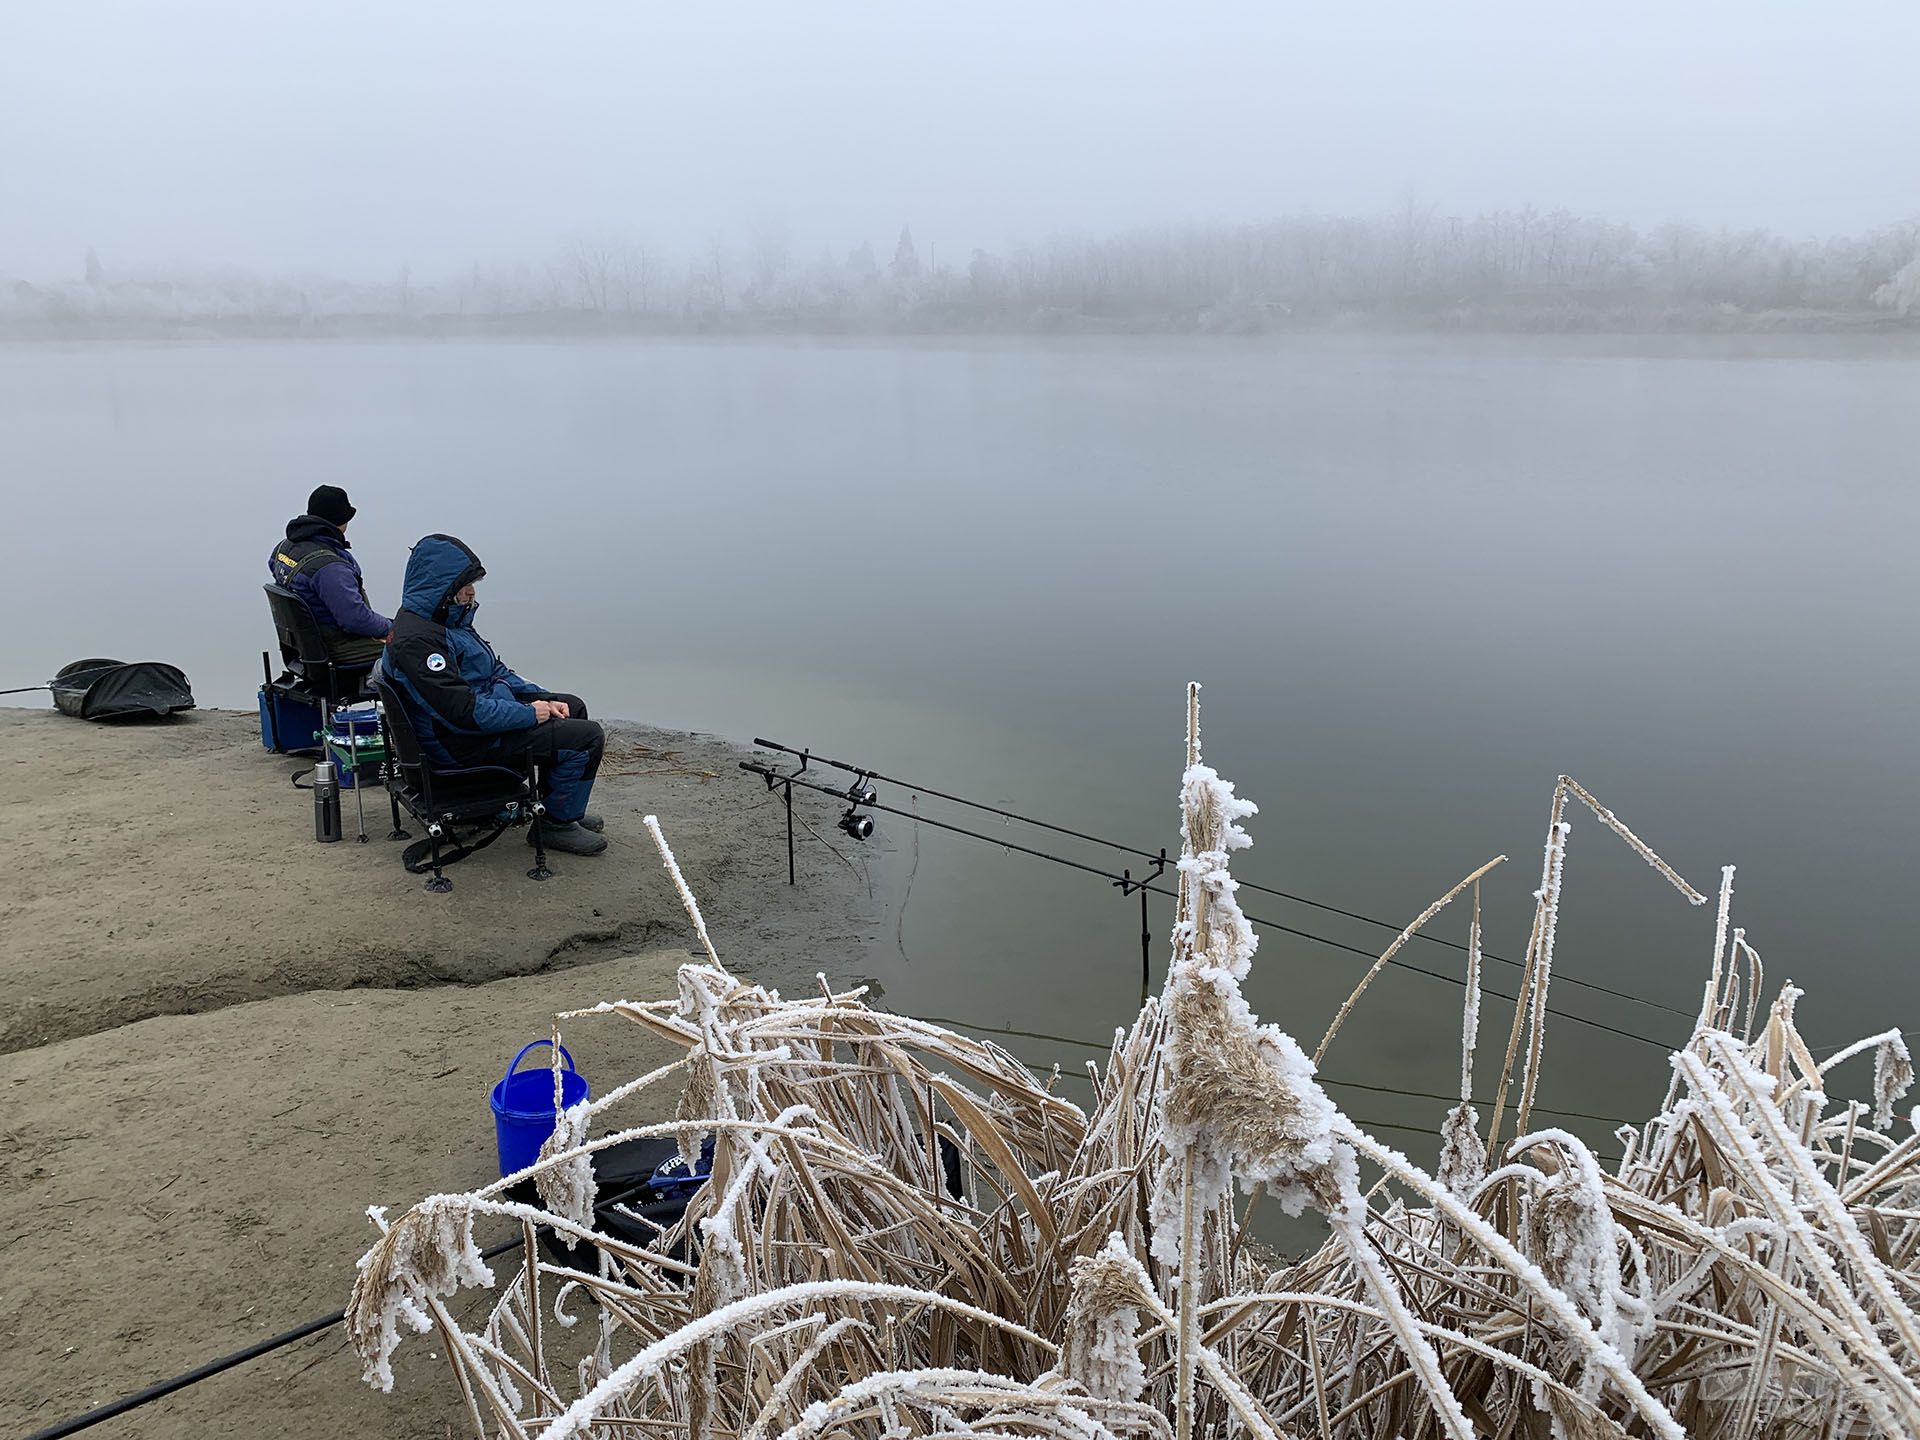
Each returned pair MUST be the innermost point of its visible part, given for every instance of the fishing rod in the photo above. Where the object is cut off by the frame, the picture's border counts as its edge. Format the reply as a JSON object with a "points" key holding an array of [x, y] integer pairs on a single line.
{"points": [[85, 1421], [862, 796], [88, 1419], [68, 674], [1126, 849]]}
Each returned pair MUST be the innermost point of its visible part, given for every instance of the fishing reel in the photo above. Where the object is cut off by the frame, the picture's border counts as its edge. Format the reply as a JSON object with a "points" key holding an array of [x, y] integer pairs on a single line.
{"points": [[859, 826]]}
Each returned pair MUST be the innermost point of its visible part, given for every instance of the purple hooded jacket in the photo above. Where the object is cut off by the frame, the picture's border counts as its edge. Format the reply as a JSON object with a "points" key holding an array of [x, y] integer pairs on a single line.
{"points": [[335, 593]]}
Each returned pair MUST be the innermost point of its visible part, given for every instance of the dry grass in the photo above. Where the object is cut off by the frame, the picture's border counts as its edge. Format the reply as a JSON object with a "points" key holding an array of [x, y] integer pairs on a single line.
{"points": [[1749, 1270], [633, 758]]}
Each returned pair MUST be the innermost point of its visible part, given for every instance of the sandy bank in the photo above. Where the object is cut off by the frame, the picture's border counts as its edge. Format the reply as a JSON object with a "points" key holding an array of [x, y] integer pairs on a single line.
{"points": [[171, 869], [226, 1041]]}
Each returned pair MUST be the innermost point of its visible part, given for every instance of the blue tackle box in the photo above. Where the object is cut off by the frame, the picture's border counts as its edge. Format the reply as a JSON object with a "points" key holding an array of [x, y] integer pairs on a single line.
{"points": [[356, 745]]}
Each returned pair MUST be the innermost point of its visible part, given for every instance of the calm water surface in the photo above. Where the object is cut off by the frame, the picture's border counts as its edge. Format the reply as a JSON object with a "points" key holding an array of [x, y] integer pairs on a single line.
{"points": [[1420, 579]]}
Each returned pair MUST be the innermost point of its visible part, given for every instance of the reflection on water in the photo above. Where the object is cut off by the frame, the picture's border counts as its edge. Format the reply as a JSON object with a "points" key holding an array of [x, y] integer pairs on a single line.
{"points": [[1419, 579]]}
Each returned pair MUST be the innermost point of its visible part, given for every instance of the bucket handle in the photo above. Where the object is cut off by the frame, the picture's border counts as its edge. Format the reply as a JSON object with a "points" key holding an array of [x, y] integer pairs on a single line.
{"points": [[534, 1045]]}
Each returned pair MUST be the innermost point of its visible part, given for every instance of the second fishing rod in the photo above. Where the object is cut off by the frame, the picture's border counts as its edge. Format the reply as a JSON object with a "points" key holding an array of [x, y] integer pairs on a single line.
{"points": [[860, 795]]}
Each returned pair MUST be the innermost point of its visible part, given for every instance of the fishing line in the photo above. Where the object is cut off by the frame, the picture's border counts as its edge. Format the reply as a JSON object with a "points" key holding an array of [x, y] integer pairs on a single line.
{"points": [[1243, 884], [773, 776], [1323, 1079]]}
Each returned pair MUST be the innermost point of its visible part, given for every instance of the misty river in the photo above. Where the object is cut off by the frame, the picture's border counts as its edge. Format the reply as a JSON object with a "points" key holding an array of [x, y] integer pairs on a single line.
{"points": [[1419, 578]]}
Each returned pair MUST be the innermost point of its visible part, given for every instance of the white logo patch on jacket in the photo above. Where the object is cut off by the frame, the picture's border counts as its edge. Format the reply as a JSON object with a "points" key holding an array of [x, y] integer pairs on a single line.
{"points": [[436, 662]]}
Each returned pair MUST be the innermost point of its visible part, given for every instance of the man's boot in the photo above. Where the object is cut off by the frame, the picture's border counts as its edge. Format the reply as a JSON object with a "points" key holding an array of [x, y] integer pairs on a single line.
{"points": [[569, 837]]}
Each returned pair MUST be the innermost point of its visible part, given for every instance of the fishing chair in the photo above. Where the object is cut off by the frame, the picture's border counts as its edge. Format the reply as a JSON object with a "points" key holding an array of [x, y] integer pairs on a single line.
{"points": [[484, 800], [303, 651]]}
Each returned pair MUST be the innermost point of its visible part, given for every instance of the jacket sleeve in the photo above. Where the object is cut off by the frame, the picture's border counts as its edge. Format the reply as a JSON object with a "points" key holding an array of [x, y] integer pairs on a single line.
{"points": [[339, 590], [521, 687], [495, 705]]}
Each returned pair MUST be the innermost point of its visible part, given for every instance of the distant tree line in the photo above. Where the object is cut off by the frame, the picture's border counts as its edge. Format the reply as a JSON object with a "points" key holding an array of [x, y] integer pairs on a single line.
{"points": [[1508, 270]]}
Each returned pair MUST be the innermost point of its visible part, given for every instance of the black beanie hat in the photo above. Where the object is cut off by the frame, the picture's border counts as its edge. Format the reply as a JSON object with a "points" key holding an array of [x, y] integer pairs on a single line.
{"points": [[330, 503]]}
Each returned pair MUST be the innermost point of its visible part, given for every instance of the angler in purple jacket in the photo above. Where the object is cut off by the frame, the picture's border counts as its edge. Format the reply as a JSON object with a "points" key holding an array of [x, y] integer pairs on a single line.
{"points": [[317, 564]]}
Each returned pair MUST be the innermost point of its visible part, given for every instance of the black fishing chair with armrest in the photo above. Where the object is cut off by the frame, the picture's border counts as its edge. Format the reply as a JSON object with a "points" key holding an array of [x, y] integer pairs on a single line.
{"points": [[303, 651], [485, 798]]}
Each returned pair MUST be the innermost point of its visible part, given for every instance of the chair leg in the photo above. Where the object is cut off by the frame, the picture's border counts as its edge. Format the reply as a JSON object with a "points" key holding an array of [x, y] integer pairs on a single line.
{"points": [[539, 870], [437, 883], [389, 771]]}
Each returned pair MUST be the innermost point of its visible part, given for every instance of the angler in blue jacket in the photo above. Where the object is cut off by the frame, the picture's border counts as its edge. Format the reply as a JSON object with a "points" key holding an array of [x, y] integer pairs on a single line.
{"points": [[468, 708], [317, 564]]}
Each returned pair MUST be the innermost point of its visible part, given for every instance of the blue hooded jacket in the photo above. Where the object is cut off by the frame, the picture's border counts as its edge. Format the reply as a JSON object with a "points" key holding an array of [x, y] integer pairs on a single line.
{"points": [[454, 685]]}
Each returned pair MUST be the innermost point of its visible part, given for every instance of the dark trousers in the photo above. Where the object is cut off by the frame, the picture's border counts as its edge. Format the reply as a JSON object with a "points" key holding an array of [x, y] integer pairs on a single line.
{"points": [[567, 751]]}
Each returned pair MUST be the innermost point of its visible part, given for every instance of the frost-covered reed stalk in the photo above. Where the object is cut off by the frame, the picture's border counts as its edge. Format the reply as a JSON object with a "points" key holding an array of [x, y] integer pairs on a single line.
{"points": [[1237, 1100], [1750, 1272], [1386, 956], [1463, 1159]]}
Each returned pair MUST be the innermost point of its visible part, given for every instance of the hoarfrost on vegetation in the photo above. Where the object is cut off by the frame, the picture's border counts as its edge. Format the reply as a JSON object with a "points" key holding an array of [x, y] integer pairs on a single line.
{"points": [[567, 1186], [427, 1253], [1892, 1077], [1100, 1352], [1576, 1241], [1463, 1156], [1240, 1098]]}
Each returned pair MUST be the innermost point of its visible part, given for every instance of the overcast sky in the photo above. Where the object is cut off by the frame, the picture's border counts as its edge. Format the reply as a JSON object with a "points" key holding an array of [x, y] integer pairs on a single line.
{"points": [[352, 138]]}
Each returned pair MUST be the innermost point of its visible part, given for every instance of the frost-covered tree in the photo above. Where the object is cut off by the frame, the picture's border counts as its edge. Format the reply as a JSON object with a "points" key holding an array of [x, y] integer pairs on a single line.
{"points": [[1902, 293], [862, 267], [1500, 269], [983, 278], [770, 245], [905, 268]]}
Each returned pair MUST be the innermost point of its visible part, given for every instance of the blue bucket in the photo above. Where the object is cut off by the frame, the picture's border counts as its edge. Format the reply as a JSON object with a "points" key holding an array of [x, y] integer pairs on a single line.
{"points": [[523, 1114]]}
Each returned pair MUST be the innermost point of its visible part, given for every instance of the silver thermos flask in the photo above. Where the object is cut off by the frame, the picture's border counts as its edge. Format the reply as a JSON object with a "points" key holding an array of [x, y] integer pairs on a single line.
{"points": [[326, 803]]}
